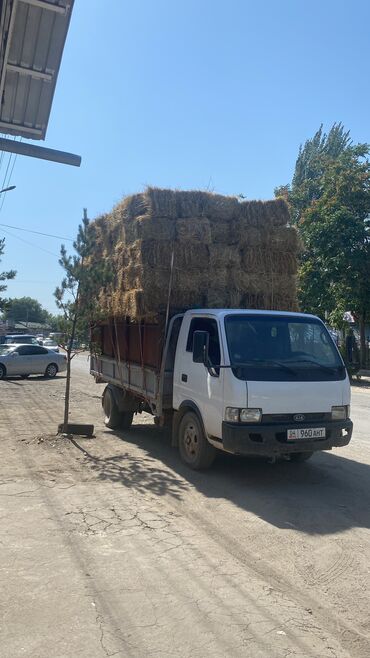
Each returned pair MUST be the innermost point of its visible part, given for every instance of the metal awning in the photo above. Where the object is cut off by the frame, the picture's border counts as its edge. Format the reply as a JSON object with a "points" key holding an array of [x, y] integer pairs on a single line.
{"points": [[32, 38]]}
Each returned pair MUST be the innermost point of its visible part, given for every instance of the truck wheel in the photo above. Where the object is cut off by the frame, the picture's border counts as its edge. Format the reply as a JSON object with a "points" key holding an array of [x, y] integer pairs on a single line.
{"points": [[113, 417], [126, 419], [195, 451], [299, 457]]}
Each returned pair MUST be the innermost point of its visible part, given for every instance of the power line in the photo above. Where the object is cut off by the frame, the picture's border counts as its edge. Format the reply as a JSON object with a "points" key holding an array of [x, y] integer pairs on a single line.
{"points": [[7, 169], [10, 174], [28, 230], [35, 246]]}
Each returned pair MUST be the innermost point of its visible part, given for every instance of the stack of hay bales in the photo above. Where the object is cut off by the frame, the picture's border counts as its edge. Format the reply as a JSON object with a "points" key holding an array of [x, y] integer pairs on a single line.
{"points": [[215, 250]]}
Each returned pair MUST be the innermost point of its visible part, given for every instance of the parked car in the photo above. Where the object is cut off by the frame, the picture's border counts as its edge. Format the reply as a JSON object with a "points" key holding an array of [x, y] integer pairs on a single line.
{"points": [[20, 339], [51, 344], [25, 360]]}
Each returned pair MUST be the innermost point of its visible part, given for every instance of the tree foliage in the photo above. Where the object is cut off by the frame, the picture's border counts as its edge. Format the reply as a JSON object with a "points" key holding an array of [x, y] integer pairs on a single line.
{"points": [[330, 204], [4, 276], [26, 309], [335, 272], [77, 296]]}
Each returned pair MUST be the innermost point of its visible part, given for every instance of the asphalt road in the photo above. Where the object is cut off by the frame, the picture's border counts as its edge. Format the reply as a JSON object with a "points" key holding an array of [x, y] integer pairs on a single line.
{"points": [[111, 547]]}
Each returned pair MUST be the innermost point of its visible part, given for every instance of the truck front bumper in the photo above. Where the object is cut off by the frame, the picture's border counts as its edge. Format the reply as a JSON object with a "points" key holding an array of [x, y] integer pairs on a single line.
{"points": [[271, 439]]}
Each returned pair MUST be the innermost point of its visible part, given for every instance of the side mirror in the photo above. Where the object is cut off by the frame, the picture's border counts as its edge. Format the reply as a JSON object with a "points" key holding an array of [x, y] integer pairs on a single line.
{"points": [[200, 347]]}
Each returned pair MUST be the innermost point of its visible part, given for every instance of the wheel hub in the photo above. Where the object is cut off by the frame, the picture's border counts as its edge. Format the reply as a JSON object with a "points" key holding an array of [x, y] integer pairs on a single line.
{"points": [[191, 440]]}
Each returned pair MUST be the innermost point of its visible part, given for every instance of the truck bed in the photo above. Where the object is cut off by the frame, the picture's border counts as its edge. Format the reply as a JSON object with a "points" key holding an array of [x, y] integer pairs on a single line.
{"points": [[143, 381], [138, 358]]}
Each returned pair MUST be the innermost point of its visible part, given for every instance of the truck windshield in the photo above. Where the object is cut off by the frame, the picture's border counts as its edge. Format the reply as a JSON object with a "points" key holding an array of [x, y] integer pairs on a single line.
{"points": [[281, 348]]}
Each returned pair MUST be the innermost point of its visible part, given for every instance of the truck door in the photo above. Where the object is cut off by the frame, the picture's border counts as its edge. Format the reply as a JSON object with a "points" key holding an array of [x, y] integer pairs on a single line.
{"points": [[192, 381]]}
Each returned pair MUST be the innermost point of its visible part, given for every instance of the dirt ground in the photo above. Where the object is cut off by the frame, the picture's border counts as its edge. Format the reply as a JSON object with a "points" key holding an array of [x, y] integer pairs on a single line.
{"points": [[111, 547]]}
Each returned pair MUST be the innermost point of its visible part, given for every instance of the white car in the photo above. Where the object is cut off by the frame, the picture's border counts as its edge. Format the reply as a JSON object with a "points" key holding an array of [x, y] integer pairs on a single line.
{"points": [[51, 344], [25, 360]]}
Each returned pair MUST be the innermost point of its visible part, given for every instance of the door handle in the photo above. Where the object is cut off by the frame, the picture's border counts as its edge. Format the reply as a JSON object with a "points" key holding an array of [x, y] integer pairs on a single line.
{"points": [[184, 378]]}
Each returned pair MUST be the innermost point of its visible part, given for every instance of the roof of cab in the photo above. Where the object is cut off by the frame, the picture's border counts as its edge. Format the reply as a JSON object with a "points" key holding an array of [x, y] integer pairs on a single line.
{"points": [[222, 312]]}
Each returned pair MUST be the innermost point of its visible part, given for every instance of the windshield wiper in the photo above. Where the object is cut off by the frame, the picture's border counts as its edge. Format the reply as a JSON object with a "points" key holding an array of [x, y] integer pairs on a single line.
{"points": [[258, 362], [282, 366], [319, 365]]}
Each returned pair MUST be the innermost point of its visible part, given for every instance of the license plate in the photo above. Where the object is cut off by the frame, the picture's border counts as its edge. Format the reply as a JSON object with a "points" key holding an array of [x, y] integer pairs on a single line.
{"points": [[306, 433]]}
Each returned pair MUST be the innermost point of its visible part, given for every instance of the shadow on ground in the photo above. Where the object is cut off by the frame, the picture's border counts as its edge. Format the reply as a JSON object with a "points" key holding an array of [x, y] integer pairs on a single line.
{"points": [[328, 494], [32, 378], [141, 473], [360, 383]]}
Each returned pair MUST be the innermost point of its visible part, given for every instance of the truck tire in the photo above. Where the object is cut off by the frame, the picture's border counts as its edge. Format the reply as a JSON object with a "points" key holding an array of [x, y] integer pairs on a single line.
{"points": [[113, 417], [299, 457], [126, 419], [195, 450]]}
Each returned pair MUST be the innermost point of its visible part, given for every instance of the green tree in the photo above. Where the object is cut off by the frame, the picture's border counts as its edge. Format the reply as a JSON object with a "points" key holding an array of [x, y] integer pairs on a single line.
{"points": [[330, 204], [56, 322], [26, 309], [335, 271], [4, 276], [77, 296]]}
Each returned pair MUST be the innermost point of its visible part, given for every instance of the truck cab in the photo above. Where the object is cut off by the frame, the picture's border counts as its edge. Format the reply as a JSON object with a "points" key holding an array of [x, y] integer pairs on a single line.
{"points": [[258, 383]]}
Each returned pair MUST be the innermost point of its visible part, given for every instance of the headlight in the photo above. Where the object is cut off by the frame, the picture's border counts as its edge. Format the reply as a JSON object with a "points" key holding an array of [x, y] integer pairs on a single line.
{"points": [[232, 414], [339, 413], [236, 415], [250, 415]]}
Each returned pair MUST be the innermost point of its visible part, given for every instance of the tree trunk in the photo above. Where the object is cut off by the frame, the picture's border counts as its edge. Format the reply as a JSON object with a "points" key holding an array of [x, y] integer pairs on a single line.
{"points": [[68, 378], [362, 341], [66, 397]]}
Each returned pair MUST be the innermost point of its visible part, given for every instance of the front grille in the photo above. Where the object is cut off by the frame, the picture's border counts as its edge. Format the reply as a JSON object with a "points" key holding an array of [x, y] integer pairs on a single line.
{"points": [[271, 419]]}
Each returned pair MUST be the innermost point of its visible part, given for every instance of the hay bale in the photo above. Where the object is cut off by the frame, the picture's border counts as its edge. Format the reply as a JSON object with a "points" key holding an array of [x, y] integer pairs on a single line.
{"points": [[176, 204], [158, 254], [193, 203], [277, 212], [163, 228], [245, 234], [251, 212], [133, 206], [284, 238], [265, 213], [261, 260], [135, 277], [226, 253], [151, 306], [222, 298], [193, 230], [224, 256], [221, 232], [145, 227], [268, 283]]}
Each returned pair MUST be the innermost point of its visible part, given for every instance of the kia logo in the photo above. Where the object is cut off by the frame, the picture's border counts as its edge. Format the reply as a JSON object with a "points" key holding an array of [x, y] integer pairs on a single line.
{"points": [[299, 417]]}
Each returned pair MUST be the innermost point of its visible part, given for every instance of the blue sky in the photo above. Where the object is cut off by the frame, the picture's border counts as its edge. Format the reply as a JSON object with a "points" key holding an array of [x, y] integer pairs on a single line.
{"points": [[206, 94]]}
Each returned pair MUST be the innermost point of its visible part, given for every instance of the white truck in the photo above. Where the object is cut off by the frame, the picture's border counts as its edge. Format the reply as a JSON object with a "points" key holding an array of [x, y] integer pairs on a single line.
{"points": [[247, 382]]}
